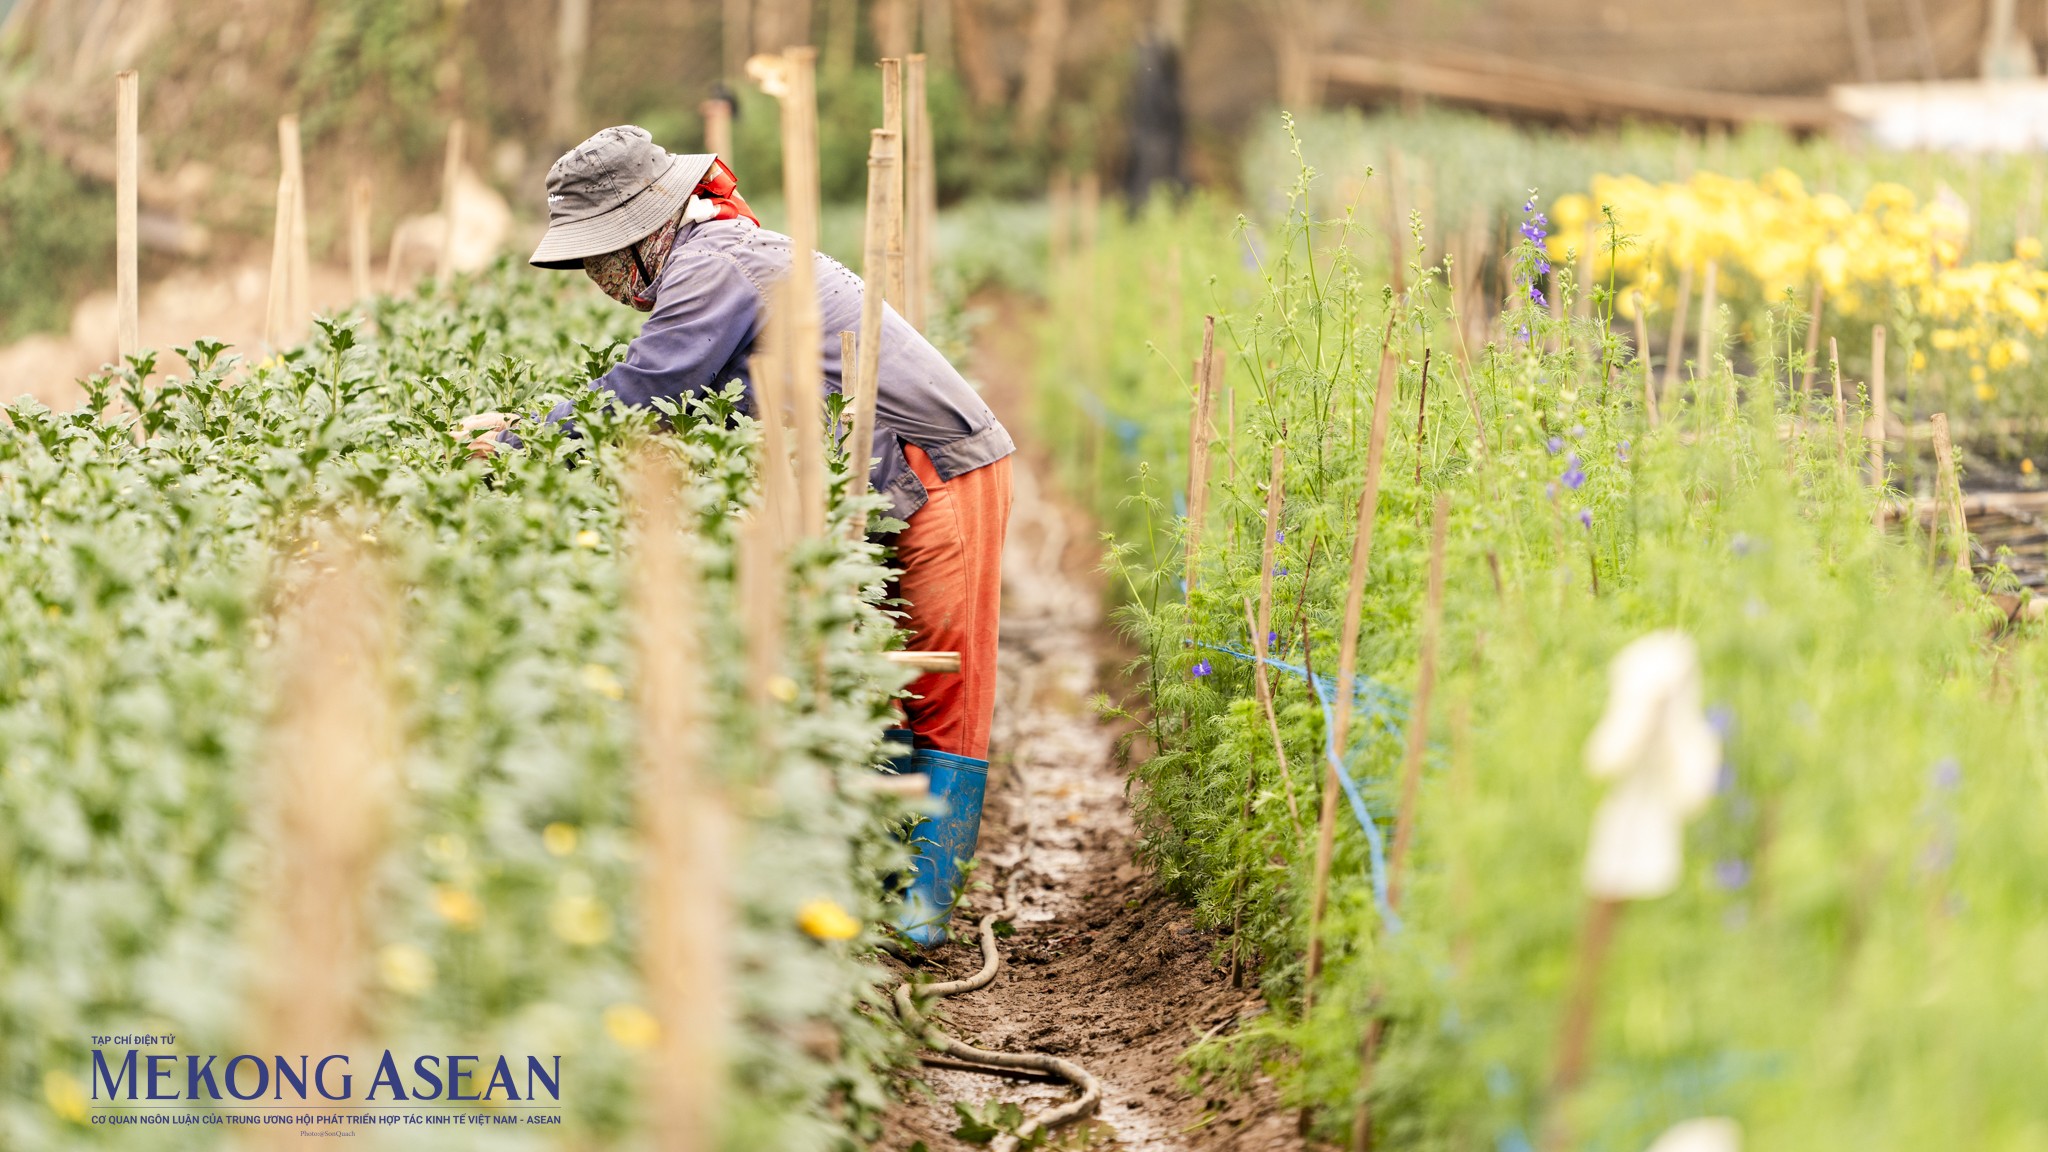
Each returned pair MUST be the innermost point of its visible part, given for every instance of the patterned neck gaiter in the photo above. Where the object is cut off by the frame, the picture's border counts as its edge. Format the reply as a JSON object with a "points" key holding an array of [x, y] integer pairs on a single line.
{"points": [[630, 274]]}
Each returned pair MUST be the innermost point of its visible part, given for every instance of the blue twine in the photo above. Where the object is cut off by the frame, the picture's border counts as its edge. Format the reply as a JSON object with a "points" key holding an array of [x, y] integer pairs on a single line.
{"points": [[1373, 701]]}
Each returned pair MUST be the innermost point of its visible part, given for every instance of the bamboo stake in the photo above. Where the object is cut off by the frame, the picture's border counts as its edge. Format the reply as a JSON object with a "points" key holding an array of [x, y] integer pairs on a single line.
{"points": [[333, 748], [1643, 355], [451, 173], [1707, 306], [359, 237], [1421, 410], [1199, 435], [684, 821], [1347, 660], [565, 83], [772, 406], [1841, 410], [1674, 349], [1262, 624], [717, 113], [127, 174], [763, 588], [893, 276], [277, 312], [1418, 717], [1812, 347], [1950, 491], [300, 296], [916, 253], [882, 185], [1878, 415], [803, 335], [1575, 1038]]}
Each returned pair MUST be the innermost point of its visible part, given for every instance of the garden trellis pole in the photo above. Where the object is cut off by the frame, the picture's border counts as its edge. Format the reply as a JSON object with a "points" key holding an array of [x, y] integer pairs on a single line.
{"points": [[1418, 715], [1199, 435], [333, 749], [685, 824], [299, 294], [1674, 349], [1949, 493], [127, 169], [802, 334], [1347, 659], [277, 329], [1262, 624], [1841, 410], [916, 211], [1812, 345], [892, 123], [882, 184]]}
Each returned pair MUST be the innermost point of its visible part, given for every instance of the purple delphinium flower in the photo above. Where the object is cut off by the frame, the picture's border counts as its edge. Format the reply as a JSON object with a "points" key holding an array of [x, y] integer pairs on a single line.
{"points": [[1279, 571], [1555, 444], [1948, 774], [1280, 536], [1522, 333], [1721, 718], [1536, 297], [1586, 517], [1621, 452], [1272, 638], [1574, 476], [1201, 668], [1732, 874]]}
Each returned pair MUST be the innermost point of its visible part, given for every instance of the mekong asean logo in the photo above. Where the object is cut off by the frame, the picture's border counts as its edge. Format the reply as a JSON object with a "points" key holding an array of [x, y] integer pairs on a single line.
{"points": [[134, 1081]]}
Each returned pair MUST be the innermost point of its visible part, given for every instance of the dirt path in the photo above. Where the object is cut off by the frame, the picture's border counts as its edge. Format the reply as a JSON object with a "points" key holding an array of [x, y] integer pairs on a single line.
{"points": [[1103, 969]]}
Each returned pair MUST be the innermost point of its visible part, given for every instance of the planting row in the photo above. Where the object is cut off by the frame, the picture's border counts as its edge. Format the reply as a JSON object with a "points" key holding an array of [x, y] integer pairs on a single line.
{"points": [[173, 569], [1789, 881]]}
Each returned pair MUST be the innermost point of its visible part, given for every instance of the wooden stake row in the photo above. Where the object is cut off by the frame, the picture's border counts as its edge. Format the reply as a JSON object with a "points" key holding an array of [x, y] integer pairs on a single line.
{"points": [[1200, 434], [685, 820], [1347, 660], [127, 173]]}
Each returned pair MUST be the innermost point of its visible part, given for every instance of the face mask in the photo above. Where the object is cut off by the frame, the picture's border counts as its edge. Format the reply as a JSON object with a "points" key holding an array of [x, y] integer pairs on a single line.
{"points": [[628, 275]]}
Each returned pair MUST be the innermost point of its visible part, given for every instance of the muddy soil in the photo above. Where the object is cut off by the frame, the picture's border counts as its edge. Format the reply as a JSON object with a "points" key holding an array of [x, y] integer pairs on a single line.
{"points": [[1103, 969]]}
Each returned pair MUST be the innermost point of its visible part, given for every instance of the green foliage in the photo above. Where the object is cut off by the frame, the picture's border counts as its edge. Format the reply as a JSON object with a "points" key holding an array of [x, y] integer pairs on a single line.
{"points": [[1841, 965], [58, 233], [141, 585]]}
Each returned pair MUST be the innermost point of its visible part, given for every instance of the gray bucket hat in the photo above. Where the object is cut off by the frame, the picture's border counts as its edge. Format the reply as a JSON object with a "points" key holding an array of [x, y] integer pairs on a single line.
{"points": [[612, 190]]}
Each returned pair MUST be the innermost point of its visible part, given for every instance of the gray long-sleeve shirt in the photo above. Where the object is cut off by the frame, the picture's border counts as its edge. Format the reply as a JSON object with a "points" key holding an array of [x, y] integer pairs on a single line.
{"points": [[710, 304]]}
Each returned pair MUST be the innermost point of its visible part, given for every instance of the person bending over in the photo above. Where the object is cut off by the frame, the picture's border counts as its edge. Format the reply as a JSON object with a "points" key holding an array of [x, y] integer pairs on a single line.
{"points": [[671, 236]]}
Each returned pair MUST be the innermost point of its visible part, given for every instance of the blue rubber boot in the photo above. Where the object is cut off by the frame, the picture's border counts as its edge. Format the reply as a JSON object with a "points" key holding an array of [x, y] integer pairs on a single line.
{"points": [[944, 843]]}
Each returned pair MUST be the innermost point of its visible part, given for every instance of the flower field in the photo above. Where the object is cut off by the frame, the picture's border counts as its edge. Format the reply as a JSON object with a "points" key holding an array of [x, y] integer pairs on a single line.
{"points": [[150, 557], [1841, 957]]}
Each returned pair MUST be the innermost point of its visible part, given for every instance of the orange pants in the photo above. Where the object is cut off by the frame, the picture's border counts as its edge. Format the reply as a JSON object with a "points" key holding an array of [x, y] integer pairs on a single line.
{"points": [[951, 556]]}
